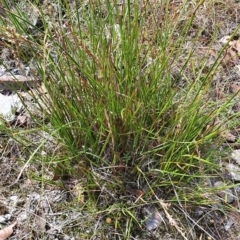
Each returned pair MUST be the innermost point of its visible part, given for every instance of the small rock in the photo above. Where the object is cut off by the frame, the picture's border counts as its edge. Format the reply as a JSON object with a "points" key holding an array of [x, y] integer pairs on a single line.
{"points": [[198, 212], [225, 194], [153, 221], [234, 171], [9, 105], [14, 198], [68, 238], [237, 190], [236, 156], [22, 217], [8, 216], [228, 224], [225, 39], [237, 69], [229, 137], [2, 219]]}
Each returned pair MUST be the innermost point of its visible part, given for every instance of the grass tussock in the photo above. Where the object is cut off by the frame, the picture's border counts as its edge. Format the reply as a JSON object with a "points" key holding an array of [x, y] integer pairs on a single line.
{"points": [[126, 100]]}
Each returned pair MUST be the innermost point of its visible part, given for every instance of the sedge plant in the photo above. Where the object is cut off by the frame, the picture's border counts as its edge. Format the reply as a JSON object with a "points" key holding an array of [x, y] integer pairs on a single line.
{"points": [[115, 102]]}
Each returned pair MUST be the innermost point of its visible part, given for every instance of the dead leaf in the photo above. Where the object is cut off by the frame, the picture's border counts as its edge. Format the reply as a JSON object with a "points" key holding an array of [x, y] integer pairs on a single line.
{"points": [[230, 58], [219, 94], [21, 120], [212, 52], [7, 231], [234, 88], [138, 193], [232, 53], [40, 221]]}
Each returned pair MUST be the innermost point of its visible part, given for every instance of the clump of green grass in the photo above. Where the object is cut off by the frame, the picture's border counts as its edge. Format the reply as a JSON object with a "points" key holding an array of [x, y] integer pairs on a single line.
{"points": [[116, 105]]}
